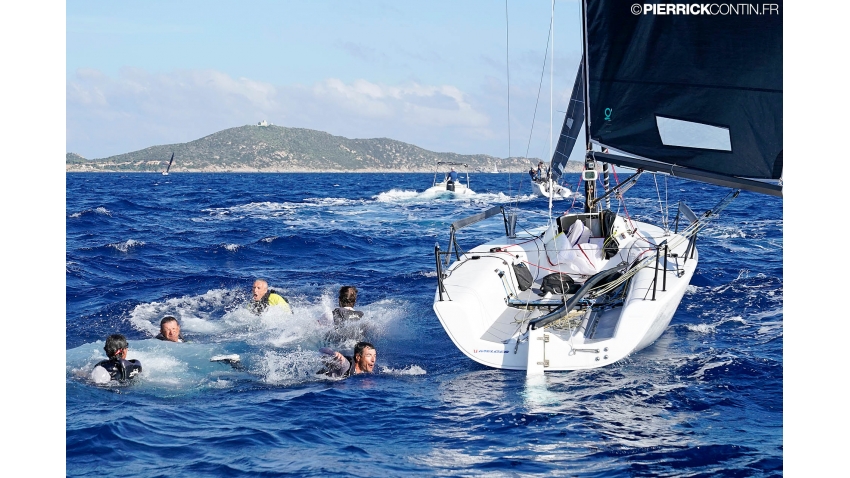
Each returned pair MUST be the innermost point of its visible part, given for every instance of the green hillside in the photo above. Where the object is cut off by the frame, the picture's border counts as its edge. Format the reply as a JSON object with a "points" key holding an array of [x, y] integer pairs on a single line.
{"points": [[255, 148]]}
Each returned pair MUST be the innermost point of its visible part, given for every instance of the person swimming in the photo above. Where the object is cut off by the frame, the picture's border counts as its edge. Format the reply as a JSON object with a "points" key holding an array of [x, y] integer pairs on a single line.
{"points": [[340, 366], [346, 321], [345, 311], [169, 329], [263, 297], [116, 367]]}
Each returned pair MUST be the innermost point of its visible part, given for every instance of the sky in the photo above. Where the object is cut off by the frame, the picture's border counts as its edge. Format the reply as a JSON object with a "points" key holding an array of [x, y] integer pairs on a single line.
{"points": [[434, 74]]}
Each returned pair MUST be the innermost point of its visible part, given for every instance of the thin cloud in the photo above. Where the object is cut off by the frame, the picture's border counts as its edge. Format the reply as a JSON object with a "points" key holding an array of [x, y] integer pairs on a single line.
{"points": [[137, 109]]}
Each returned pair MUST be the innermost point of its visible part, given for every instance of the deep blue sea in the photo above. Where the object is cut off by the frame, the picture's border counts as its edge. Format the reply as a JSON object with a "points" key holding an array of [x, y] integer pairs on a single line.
{"points": [[705, 400]]}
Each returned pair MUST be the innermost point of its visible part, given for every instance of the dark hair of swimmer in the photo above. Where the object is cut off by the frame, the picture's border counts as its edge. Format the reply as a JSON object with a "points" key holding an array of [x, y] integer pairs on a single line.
{"points": [[347, 296], [114, 343], [166, 320], [360, 347]]}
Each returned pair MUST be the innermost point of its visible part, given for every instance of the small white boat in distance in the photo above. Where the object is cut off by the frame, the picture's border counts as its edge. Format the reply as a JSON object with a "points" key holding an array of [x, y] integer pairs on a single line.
{"points": [[456, 186]]}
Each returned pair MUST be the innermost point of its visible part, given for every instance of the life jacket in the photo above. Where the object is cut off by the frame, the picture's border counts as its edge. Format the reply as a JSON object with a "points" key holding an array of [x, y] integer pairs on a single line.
{"points": [[120, 369], [261, 305], [341, 315]]}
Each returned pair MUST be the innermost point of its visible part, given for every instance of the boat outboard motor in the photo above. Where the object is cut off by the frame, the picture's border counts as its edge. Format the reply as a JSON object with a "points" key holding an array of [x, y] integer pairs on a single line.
{"points": [[450, 185]]}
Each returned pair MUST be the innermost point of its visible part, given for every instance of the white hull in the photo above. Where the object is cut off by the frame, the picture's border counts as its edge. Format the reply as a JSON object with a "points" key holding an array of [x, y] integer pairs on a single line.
{"points": [[440, 188], [475, 313], [546, 190]]}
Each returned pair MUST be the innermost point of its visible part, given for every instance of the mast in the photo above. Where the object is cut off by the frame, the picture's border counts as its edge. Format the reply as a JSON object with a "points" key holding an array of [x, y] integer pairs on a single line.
{"points": [[551, 101], [589, 162]]}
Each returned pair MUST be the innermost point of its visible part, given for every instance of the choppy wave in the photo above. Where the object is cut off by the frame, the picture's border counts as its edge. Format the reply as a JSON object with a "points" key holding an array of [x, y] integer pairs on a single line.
{"points": [[705, 399], [98, 210], [127, 245]]}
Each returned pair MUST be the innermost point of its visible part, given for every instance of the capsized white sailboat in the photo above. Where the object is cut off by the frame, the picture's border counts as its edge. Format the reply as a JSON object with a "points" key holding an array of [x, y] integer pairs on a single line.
{"points": [[584, 290]]}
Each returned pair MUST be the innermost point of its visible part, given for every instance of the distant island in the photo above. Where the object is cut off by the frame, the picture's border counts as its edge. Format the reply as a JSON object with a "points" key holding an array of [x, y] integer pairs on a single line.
{"points": [[268, 148]]}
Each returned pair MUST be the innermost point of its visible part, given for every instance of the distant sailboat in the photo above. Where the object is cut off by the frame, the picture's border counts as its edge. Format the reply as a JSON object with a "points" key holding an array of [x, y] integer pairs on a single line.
{"points": [[495, 169], [165, 173]]}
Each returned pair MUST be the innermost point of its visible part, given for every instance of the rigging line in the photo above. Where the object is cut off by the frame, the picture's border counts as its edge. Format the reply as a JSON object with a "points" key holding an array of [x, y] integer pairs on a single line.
{"points": [[666, 204], [682, 237], [537, 102], [660, 203]]}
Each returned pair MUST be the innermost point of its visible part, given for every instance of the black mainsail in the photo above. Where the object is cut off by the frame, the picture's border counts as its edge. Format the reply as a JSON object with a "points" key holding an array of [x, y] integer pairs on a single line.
{"points": [[572, 125], [694, 90], [169, 163]]}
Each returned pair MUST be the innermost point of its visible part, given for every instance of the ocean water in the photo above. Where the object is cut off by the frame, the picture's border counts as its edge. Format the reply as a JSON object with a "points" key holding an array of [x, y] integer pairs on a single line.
{"points": [[705, 400]]}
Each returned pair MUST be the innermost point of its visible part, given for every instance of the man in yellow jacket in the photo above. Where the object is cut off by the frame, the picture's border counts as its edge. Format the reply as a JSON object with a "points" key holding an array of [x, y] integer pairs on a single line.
{"points": [[263, 298]]}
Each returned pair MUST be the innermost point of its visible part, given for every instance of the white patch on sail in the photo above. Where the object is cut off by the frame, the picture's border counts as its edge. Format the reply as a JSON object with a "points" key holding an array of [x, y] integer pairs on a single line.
{"points": [[692, 135]]}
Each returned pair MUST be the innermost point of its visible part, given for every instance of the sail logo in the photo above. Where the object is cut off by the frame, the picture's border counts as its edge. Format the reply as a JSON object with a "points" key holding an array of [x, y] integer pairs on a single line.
{"points": [[608, 112], [489, 351], [705, 9]]}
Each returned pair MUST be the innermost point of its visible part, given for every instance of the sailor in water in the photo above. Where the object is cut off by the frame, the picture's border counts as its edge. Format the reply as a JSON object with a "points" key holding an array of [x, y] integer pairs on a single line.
{"points": [[345, 311], [263, 298], [169, 330], [340, 366], [346, 321], [117, 367]]}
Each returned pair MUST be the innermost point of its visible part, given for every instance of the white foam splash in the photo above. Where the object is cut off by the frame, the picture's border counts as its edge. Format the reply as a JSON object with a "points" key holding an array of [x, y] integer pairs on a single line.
{"points": [[196, 314], [262, 210], [770, 328], [98, 210], [231, 247], [701, 328], [127, 245], [290, 367], [712, 328], [409, 370], [721, 361], [396, 195], [276, 347]]}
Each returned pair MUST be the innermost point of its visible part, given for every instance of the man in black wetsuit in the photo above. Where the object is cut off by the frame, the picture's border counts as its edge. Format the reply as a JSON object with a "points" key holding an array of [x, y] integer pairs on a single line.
{"points": [[117, 367], [346, 321], [345, 311], [340, 366]]}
